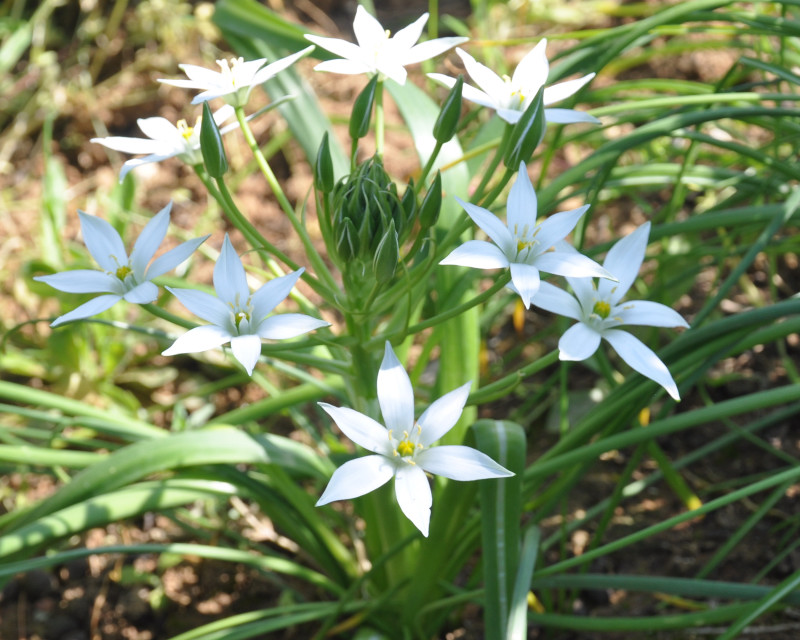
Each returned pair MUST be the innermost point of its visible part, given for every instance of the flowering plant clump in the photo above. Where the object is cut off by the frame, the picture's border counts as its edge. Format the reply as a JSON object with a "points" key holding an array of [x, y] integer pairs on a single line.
{"points": [[379, 257]]}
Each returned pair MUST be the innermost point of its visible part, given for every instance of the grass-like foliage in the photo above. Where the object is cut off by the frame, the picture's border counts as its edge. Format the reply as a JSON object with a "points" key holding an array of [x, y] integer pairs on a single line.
{"points": [[596, 276]]}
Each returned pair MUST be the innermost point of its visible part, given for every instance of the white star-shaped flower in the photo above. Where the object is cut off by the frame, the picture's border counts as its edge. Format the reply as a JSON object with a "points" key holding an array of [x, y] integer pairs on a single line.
{"points": [[238, 317], [511, 96], [235, 80], [599, 310], [525, 245], [122, 277], [377, 51], [403, 447], [164, 140]]}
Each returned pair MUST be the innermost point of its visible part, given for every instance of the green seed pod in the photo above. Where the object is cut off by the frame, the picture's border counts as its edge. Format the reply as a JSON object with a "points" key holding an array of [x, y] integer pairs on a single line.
{"points": [[323, 169], [432, 204], [447, 122], [211, 145], [362, 110], [386, 256], [526, 134]]}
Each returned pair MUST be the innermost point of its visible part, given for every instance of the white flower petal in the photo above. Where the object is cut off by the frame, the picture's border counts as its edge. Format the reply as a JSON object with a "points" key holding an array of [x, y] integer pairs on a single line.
{"points": [[652, 314], [430, 49], [209, 336], [532, 71], [368, 31], [134, 163], [143, 293], [288, 325], [339, 47], [555, 300], [561, 90], [204, 305], [642, 359], [522, 204], [83, 281], [149, 241], [87, 309], [356, 478], [273, 69], [345, 67], [172, 258], [491, 225], [578, 342], [458, 462], [230, 280], [414, 496], [624, 260], [442, 415], [568, 116], [361, 429], [103, 242], [132, 145], [246, 349], [272, 293], [160, 129], [526, 281], [511, 116], [558, 226], [574, 265], [477, 254], [585, 290], [407, 37], [489, 82], [395, 394], [393, 70], [201, 76]]}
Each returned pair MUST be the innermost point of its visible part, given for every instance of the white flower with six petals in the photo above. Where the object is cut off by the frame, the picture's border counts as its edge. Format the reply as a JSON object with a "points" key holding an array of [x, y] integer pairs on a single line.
{"points": [[235, 80], [238, 317], [122, 277], [377, 52], [525, 245], [511, 96], [599, 310], [164, 140], [403, 447]]}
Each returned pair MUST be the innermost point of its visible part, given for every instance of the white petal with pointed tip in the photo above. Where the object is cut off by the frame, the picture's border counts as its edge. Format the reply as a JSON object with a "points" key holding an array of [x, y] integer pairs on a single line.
{"points": [[526, 281], [288, 325], [149, 241], [361, 429], [568, 116], [651, 314], [522, 202], [555, 300], [203, 305], [642, 359], [395, 394], [356, 478], [103, 242], [230, 280], [458, 462], [83, 281], [491, 225], [272, 293], [562, 90], [624, 260], [414, 496], [246, 349], [477, 254], [442, 415], [87, 309], [172, 258]]}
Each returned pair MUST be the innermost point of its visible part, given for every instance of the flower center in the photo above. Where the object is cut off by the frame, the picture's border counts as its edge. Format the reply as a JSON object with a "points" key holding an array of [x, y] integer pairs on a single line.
{"points": [[229, 69], [602, 309], [409, 445], [123, 272], [184, 129], [239, 316]]}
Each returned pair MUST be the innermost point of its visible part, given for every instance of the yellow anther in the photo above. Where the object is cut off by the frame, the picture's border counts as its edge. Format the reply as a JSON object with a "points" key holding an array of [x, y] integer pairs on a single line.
{"points": [[184, 129], [123, 272], [525, 244], [405, 448], [602, 309]]}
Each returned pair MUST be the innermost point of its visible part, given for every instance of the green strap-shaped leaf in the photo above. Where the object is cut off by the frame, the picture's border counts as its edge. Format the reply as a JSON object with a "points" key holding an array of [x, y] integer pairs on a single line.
{"points": [[501, 508], [518, 616]]}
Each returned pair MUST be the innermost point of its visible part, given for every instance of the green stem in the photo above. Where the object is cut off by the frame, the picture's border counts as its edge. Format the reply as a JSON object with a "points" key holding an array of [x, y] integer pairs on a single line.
{"points": [[169, 317], [379, 121], [428, 166], [313, 256], [490, 170]]}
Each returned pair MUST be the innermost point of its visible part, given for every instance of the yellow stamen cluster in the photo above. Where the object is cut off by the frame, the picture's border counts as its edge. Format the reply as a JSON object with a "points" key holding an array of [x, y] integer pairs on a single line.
{"points": [[406, 447], [602, 309], [524, 244], [123, 272], [184, 129]]}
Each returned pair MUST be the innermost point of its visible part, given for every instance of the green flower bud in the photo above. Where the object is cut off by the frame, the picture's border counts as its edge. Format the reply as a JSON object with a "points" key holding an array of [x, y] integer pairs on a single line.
{"points": [[432, 204], [211, 145], [526, 134], [447, 122], [347, 241], [323, 169], [386, 256], [362, 110]]}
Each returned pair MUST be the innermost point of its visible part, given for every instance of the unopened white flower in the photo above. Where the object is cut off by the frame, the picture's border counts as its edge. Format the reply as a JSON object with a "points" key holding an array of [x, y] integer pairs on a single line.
{"points": [[403, 447], [235, 80], [599, 310], [164, 140], [525, 245], [379, 52], [236, 315], [122, 277], [511, 96]]}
